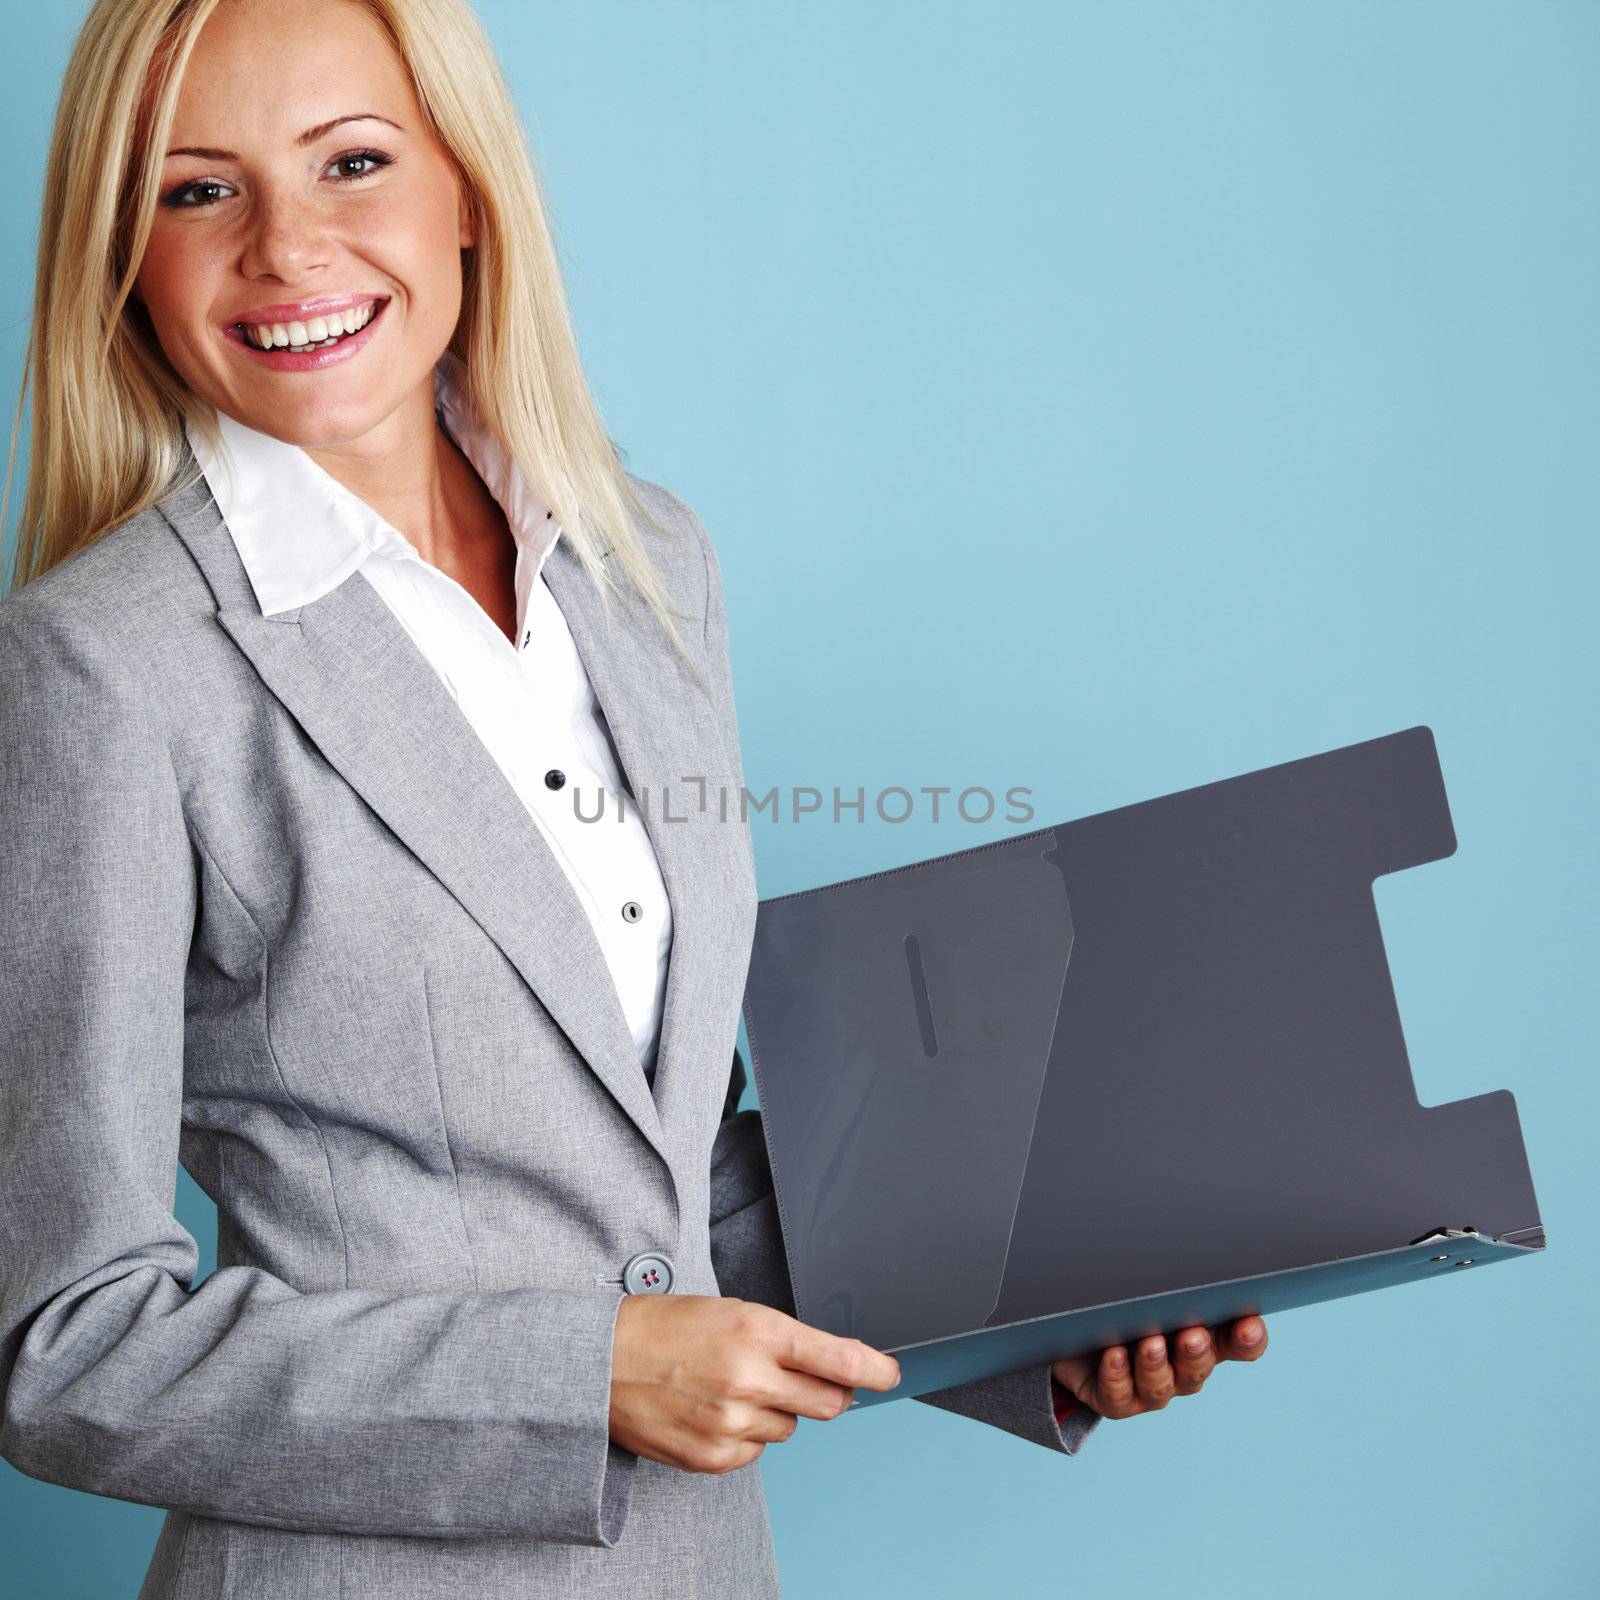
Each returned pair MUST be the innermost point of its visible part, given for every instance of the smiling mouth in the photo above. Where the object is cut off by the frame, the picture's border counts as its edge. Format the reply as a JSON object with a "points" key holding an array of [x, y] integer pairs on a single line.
{"points": [[314, 333]]}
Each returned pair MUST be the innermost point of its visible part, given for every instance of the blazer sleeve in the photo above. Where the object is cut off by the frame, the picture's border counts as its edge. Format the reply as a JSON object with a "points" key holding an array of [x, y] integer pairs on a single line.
{"points": [[348, 1411], [746, 1237]]}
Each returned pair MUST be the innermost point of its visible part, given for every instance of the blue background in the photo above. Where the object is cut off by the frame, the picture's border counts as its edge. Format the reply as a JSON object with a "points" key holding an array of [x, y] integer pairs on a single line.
{"points": [[1107, 399]]}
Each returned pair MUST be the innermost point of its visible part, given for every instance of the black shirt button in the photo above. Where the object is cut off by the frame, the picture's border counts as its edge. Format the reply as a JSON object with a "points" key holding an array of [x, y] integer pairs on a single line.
{"points": [[631, 911], [554, 778]]}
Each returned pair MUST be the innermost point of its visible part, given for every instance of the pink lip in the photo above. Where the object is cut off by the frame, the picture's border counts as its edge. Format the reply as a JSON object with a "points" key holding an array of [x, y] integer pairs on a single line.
{"points": [[313, 360], [303, 310]]}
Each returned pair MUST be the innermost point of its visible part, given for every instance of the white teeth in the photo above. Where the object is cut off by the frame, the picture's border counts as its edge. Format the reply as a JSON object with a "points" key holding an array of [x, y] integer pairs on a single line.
{"points": [[314, 333]]}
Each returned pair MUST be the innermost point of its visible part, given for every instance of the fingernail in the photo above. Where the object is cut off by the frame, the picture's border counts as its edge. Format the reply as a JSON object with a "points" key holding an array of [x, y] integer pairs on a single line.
{"points": [[1116, 1360], [1194, 1343], [1250, 1336]]}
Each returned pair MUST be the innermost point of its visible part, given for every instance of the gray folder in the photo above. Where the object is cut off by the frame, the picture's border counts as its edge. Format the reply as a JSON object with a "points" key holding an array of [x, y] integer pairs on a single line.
{"points": [[1120, 1075]]}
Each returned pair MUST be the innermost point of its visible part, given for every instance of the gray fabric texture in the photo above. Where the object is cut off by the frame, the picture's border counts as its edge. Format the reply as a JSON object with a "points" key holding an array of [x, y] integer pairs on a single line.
{"points": [[269, 908]]}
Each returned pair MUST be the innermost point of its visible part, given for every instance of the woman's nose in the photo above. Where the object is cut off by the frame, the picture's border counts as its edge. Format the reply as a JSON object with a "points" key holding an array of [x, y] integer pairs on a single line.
{"points": [[287, 237]]}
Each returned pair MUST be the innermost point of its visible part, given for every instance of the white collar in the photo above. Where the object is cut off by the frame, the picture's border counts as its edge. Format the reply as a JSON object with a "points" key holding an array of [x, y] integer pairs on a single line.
{"points": [[300, 533]]}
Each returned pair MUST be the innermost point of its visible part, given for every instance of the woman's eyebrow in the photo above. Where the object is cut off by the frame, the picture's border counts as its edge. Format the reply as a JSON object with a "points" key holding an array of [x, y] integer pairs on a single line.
{"points": [[310, 136]]}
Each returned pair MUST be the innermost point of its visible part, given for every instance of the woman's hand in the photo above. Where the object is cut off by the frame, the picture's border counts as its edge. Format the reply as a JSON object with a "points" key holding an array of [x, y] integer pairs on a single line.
{"points": [[1106, 1383], [706, 1382]]}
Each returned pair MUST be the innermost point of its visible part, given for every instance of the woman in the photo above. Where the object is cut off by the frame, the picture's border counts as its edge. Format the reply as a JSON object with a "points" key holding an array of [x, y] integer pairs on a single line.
{"points": [[292, 890]]}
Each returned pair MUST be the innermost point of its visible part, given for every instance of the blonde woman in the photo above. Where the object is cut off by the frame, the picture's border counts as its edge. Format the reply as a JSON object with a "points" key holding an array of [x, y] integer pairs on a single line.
{"points": [[330, 591]]}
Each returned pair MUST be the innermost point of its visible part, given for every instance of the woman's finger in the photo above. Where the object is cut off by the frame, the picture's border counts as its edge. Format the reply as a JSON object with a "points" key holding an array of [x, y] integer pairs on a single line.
{"points": [[1194, 1359], [1153, 1376], [772, 1425], [1232, 1338], [851, 1363], [1114, 1390], [805, 1396]]}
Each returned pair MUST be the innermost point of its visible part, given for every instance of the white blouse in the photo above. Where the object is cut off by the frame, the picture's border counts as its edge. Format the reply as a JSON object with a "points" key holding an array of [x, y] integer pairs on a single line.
{"points": [[300, 533]]}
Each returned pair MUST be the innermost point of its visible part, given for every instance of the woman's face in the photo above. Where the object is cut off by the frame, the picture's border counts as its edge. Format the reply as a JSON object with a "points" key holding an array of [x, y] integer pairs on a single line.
{"points": [[271, 215]]}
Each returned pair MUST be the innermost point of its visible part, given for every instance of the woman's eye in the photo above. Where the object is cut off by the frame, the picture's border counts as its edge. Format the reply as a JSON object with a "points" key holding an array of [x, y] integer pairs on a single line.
{"points": [[179, 196], [347, 168], [376, 157]]}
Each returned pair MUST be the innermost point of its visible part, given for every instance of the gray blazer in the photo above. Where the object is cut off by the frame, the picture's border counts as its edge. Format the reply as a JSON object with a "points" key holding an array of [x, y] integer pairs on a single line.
{"points": [[269, 908]]}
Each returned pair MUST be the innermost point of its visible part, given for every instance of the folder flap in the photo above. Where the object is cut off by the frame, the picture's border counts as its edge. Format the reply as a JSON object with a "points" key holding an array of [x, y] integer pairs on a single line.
{"points": [[1229, 1091], [899, 1029]]}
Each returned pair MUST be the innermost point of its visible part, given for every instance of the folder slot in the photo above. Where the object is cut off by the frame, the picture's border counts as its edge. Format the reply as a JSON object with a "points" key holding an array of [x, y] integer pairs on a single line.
{"points": [[919, 994]]}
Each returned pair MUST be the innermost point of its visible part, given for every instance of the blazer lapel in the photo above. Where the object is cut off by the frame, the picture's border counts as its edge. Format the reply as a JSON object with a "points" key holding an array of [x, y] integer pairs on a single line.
{"points": [[351, 676], [665, 730]]}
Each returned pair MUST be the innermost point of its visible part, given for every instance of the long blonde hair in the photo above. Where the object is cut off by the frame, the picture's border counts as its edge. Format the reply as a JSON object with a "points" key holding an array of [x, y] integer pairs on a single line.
{"points": [[108, 410]]}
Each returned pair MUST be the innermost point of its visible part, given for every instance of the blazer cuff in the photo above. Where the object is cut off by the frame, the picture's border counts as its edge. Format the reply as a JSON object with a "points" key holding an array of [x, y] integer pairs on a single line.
{"points": [[1023, 1403], [605, 1503]]}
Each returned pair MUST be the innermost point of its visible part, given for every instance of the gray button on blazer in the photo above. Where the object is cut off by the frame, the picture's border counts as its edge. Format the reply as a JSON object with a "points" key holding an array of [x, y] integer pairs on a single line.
{"points": [[269, 907]]}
